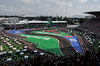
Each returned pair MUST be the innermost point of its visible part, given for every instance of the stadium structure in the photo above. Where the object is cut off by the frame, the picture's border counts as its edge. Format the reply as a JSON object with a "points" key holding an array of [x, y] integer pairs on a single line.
{"points": [[14, 24], [49, 43], [91, 30], [91, 26]]}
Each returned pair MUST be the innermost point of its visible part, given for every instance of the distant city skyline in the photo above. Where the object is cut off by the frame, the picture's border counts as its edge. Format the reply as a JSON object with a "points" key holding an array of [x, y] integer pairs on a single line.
{"points": [[48, 7]]}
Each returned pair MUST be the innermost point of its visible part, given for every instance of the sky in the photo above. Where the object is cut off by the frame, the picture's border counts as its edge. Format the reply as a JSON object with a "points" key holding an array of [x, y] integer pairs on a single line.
{"points": [[48, 7]]}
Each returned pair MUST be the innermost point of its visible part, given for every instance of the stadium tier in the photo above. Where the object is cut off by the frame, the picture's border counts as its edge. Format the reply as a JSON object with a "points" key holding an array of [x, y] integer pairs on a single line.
{"points": [[92, 26], [19, 49], [35, 24]]}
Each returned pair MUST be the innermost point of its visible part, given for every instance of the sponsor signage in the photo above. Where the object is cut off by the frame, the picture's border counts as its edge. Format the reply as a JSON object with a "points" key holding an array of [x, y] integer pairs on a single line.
{"points": [[28, 36]]}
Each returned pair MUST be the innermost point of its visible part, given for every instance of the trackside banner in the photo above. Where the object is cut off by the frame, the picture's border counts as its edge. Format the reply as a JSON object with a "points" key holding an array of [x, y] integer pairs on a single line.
{"points": [[75, 43], [16, 31], [46, 33], [28, 36]]}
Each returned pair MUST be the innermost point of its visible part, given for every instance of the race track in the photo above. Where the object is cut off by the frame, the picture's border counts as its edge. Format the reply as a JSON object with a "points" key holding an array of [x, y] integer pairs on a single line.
{"points": [[64, 44]]}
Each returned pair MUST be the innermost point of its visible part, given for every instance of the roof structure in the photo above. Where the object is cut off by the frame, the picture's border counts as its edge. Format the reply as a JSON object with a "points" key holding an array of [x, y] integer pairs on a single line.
{"points": [[96, 13], [25, 22], [29, 16]]}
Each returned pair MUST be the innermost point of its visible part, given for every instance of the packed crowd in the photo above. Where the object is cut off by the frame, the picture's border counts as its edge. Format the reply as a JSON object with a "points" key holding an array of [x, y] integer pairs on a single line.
{"points": [[13, 47], [43, 59], [93, 42], [91, 26]]}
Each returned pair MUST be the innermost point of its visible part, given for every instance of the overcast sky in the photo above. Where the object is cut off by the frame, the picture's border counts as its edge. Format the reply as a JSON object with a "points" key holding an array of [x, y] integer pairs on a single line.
{"points": [[48, 7]]}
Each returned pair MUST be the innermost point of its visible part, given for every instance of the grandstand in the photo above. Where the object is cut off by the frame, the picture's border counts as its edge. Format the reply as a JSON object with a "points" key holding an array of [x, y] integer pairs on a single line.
{"points": [[26, 53], [37, 43], [34, 24], [91, 26]]}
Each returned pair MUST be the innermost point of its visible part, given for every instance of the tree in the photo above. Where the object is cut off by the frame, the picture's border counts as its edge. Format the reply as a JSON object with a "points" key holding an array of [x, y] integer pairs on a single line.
{"points": [[70, 21]]}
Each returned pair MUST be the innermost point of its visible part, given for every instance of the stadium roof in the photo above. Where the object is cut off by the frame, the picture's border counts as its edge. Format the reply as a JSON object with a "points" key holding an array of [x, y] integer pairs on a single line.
{"points": [[25, 22], [96, 13], [29, 16]]}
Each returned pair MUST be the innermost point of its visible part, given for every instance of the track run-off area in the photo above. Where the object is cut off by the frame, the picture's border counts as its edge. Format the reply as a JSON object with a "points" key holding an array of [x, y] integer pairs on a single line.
{"points": [[57, 42]]}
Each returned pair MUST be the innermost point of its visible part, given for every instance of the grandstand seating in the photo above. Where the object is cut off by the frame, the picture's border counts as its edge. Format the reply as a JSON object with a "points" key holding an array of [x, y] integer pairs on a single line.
{"points": [[91, 26], [44, 59]]}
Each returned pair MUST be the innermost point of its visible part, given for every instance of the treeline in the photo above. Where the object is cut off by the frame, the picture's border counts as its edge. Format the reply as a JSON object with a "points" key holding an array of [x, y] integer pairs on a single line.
{"points": [[58, 18]]}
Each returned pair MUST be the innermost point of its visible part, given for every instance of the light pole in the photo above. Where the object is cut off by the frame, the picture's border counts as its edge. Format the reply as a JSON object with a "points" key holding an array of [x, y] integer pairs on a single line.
{"points": [[14, 23], [66, 8], [27, 24]]}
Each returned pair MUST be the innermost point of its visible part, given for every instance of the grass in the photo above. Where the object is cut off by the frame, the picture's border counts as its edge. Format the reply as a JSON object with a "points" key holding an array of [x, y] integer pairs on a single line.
{"points": [[51, 45]]}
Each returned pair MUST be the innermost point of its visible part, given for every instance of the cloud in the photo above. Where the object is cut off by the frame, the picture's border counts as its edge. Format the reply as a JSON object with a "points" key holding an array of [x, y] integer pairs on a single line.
{"points": [[2, 6], [70, 4], [57, 2], [27, 1], [11, 9], [49, 7], [26, 8], [14, 10], [95, 0], [82, 1]]}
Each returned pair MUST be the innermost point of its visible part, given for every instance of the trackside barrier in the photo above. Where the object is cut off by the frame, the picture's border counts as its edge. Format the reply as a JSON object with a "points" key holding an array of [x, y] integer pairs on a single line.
{"points": [[88, 44], [81, 44], [77, 51]]}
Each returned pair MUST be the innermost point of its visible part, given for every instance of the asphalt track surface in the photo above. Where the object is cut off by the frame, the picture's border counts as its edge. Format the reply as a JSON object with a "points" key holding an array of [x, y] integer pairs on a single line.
{"points": [[64, 44]]}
